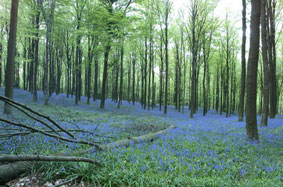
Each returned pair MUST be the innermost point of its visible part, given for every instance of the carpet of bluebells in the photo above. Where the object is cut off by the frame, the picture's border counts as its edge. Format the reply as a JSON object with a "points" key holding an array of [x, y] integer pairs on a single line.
{"points": [[209, 150]]}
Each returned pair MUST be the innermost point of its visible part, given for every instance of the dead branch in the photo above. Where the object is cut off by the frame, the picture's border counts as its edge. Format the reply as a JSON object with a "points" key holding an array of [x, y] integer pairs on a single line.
{"points": [[10, 101], [49, 134], [32, 117], [70, 130]]}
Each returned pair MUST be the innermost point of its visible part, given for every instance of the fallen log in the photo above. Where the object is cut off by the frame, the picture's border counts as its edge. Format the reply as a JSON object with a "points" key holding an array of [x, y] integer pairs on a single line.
{"points": [[135, 140], [11, 171]]}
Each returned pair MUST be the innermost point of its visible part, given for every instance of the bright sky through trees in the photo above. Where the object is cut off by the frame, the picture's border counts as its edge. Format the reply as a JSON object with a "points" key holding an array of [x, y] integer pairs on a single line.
{"points": [[233, 7]]}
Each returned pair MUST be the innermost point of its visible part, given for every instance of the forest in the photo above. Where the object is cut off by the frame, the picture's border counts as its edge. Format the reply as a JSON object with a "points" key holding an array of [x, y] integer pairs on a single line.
{"points": [[141, 93]]}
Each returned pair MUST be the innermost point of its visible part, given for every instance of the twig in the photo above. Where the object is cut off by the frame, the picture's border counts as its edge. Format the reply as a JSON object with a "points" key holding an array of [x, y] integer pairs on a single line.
{"points": [[17, 158]]}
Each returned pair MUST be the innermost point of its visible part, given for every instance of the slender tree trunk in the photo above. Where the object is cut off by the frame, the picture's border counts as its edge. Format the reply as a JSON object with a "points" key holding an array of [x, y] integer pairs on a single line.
{"points": [[73, 72], [24, 66], [48, 20], [95, 91], [129, 81], [1, 53], [1, 57], [243, 74], [203, 84], [227, 73], [166, 57], [251, 121], [264, 26], [142, 84], [116, 81], [36, 57], [31, 65], [145, 74], [68, 55], [272, 54], [221, 88], [121, 79], [134, 76], [153, 84], [88, 78], [161, 74], [103, 93], [149, 71], [9, 74]]}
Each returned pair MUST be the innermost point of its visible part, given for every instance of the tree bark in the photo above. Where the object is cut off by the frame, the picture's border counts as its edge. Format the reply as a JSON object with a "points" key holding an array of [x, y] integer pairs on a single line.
{"points": [[251, 121], [95, 91], [264, 26], [105, 70], [145, 73], [36, 57], [122, 77], [166, 56], [134, 77], [9, 73], [272, 54], [243, 74]]}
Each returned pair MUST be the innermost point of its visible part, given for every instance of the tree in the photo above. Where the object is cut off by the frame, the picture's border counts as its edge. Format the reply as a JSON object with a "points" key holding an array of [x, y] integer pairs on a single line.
{"points": [[36, 56], [251, 121], [264, 27], [111, 26], [9, 73], [48, 18], [168, 6], [243, 74]]}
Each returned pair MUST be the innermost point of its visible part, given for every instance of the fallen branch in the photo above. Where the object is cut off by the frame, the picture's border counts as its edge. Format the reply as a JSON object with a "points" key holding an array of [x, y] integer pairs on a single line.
{"points": [[13, 170], [10, 101], [70, 130], [17, 158], [32, 117], [49, 134]]}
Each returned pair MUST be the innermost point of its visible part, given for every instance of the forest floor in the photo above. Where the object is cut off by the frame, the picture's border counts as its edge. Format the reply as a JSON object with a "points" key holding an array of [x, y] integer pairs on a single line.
{"points": [[209, 150]]}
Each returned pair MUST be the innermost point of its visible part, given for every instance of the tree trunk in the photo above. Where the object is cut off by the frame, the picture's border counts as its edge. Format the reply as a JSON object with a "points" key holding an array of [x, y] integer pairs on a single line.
{"points": [[122, 77], [117, 80], [48, 21], [1, 53], [36, 57], [227, 72], [272, 54], [166, 57], [129, 80], [243, 74], [9, 74], [103, 93], [150, 66], [145, 74], [161, 74], [134, 76], [264, 27], [251, 121], [95, 91]]}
